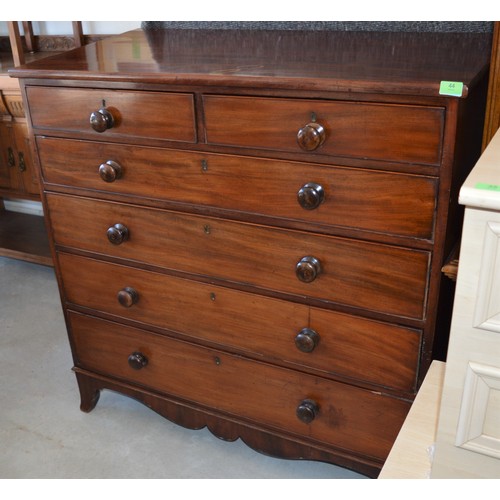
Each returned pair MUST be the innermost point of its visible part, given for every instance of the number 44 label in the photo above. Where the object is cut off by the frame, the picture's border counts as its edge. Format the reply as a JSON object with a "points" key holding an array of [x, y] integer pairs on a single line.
{"points": [[451, 88]]}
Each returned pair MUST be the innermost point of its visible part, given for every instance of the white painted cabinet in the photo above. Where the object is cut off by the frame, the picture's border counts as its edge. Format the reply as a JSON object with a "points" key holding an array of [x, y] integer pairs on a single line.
{"points": [[468, 435]]}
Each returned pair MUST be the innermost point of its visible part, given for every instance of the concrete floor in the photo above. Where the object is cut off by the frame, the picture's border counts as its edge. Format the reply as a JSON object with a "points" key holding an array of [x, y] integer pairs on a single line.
{"points": [[43, 433]]}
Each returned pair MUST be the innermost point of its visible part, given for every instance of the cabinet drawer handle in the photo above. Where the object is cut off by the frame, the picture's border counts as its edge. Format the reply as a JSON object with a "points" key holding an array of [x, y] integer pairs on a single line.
{"points": [[308, 269], [137, 360], [101, 120], [128, 296], [117, 234], [110, 171], [307, 340], [311, 196], [11, 159], [307, 411], [22, 163], [311, 136]]}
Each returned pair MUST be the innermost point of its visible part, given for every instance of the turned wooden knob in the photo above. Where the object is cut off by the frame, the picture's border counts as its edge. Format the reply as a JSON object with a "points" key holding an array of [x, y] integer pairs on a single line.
{"points": [[101, 120], [311, 196], [307, 411], [306, 340], [110, 171], [311, 136], [137, 360], [117, 234], [128, 296], [308, 269]]}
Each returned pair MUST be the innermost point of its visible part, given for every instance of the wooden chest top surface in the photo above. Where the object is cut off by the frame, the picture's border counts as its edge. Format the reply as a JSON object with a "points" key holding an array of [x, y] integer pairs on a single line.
{"points": [[388, 62]]}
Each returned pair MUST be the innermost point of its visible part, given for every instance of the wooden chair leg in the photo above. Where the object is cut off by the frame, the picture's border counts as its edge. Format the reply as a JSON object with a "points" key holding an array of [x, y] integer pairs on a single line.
{"points": [[16, 43], [77, 33], [29, 38]]}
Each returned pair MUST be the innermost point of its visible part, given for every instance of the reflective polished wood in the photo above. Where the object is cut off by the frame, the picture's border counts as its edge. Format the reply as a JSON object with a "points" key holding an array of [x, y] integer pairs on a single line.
{"points": [[402, 63], [249, 226]]}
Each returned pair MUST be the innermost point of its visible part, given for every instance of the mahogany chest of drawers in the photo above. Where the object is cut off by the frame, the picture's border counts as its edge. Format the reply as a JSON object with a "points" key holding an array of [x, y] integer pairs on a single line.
{"points": [[249, 227]]}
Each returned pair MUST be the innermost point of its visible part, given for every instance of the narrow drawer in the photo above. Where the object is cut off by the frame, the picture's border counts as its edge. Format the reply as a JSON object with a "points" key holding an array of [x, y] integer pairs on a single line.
{"points": [[156, 115], [335, 343], [382, 202], [366, 275], [390, 132], [345, 416]]}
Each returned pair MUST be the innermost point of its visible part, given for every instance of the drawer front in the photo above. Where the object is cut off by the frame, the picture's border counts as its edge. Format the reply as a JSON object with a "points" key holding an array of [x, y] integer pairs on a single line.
{"points": [[377, 277], [368, 200], [157, 115], [389, 132], [347, 417], [340, 344]]}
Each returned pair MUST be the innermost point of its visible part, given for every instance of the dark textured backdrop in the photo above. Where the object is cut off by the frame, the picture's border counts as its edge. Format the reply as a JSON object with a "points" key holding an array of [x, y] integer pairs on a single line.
{"points": [[448, 26]]}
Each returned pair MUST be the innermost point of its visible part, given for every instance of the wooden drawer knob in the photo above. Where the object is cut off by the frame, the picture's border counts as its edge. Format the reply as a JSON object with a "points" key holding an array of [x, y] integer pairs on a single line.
{"points": [[117, 234], [128, 296], [137, 360], [311, 136], [308, 269], [307, 411], [101, 120], [110, 171], [307, 340], [311, 196]]}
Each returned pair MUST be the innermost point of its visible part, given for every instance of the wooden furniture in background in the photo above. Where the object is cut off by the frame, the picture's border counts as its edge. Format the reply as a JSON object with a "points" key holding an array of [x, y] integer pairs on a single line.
{"points": [[249, 227], [468, 434], [491, 125], [492, 120], [23, 235]]}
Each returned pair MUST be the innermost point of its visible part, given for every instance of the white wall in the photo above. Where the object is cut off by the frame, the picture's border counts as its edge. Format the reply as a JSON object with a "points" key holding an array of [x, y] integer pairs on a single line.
{"points": [[89, 27]]}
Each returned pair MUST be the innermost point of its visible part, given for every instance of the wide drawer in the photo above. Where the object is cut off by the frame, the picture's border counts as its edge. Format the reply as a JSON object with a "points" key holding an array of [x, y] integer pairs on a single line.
{"points": [[157, 115], [346, 417], [369, 200], [390, 132], [364, 275], [334, 343]]}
